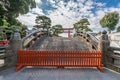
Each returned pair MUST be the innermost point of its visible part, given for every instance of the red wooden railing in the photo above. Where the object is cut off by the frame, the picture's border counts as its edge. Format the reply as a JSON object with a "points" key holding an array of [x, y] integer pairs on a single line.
{"points": [[4, 43], [60, 59]]}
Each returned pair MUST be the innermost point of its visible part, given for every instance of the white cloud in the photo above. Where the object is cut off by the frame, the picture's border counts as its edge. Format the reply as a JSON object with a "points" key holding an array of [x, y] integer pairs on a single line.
{"points": [[100, 4], [89, 3], [51, 1], [38, 1], [81, 1], [37, 11], [68, 13], [27, 19]]}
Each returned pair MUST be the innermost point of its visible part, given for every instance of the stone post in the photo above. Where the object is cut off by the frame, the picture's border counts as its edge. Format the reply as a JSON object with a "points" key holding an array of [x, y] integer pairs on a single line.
{"points": [[103, 45], [15, 45]]}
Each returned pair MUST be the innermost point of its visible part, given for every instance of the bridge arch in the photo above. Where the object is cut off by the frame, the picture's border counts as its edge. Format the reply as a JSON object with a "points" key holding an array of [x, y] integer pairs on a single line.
{"points": [[104, 47]]}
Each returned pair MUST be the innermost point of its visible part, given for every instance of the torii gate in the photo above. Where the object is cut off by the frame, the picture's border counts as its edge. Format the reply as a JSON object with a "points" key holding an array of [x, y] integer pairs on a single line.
{"points": [[68, 31]]}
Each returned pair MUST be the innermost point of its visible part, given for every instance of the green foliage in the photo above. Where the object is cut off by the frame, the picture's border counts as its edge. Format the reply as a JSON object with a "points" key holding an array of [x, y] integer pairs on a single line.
{"points": [[1, 35], [34, 28], [82, 25], [9, 10], [17, 6], [43, 22], [8, 29], [110, 20], [118, 29], [57, 29], [1, 21]]}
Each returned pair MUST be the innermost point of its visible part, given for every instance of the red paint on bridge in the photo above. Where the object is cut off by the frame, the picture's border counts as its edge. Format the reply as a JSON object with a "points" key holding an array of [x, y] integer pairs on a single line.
{"points": [[4, 43], [60, 59]]}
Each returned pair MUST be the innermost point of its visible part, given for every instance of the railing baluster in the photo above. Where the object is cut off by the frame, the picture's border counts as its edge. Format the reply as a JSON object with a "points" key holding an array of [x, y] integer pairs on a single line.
{"points": [[59, 58]]}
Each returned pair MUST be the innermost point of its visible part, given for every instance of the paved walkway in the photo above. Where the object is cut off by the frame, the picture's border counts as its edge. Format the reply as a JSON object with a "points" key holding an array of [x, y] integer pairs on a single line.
{"points": [[61, 43], [58, 74]]}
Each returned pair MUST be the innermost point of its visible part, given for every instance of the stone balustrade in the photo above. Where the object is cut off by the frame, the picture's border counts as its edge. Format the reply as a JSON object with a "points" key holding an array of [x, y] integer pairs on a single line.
{"points": [[111, 55], [29, 40], [113, 58], [8, 54], [89, 39]]}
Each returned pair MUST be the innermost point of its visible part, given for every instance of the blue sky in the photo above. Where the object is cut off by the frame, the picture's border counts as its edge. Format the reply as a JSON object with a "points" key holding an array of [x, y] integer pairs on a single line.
{"points": [[110, 3], [67, 12]]}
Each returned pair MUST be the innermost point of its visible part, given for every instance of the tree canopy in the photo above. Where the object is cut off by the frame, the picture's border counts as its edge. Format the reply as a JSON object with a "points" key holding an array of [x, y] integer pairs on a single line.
{"points": [[42, 22], [16, 6], [82, 25], [118, 29], [9, 11], [57, 29], [110, 20]]}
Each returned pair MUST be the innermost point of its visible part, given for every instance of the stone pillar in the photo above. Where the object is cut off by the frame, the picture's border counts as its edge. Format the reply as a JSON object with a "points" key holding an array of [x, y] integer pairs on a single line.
{"points": [[12, 51], [103, 45]]}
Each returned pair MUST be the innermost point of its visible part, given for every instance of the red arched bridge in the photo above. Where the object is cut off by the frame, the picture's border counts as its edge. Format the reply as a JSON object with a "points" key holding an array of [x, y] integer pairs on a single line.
{"points": [[82, 52]]}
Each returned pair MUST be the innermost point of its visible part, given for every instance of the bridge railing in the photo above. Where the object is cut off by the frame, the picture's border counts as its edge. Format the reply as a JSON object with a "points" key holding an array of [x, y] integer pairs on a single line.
{"points": [[111, 55], [3, 56], [90, 39], [113, 58], [31, 38], [4, 42], [60, 59], [93, 41], [8, 53]]}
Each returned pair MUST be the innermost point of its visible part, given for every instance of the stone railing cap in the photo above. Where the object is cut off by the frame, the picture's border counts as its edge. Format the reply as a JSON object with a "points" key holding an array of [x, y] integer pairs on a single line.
{"points": [[104, 32]]}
